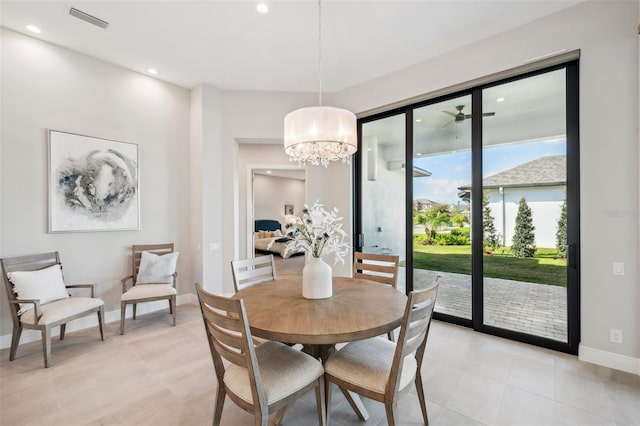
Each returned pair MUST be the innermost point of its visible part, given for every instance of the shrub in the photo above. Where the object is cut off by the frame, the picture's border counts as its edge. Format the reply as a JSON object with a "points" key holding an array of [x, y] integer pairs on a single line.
{"points": [[465, 232], [450, 240], [491, 235], [561, 234], [524, 237]]}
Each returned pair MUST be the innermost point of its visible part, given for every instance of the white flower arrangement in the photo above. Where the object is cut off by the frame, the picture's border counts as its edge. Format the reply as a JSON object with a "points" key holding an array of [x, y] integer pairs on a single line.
{"points": [[319, 232]]}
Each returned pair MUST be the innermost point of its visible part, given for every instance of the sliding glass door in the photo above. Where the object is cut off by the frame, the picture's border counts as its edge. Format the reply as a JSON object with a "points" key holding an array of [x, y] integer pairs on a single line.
{"points": [[490, 205], [441, 218], [524, 188], [382, 179]]}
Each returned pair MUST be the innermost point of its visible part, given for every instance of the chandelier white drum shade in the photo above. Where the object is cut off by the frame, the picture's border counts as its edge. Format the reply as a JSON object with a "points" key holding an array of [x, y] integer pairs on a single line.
{"points": [[320, 134]]}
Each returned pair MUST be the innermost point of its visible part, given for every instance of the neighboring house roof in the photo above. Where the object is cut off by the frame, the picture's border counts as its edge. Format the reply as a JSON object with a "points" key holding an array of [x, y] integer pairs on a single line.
{"points": [[422, 203], [544, 171]]}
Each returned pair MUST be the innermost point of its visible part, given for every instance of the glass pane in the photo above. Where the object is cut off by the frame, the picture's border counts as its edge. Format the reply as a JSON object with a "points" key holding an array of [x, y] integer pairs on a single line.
{"points": [[524, 211], [383, 188], [441, 205]]}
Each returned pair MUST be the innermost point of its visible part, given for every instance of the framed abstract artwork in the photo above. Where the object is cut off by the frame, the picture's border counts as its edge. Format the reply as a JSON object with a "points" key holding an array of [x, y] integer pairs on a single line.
{"points": [[93, 184]]}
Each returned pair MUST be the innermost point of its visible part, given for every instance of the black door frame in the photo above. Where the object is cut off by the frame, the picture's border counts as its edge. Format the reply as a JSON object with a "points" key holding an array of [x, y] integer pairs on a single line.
{"points": [[573, 203]]}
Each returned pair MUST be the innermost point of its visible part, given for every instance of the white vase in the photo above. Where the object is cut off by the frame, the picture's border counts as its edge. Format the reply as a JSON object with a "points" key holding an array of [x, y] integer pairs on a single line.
{"points": [[316, 279]]}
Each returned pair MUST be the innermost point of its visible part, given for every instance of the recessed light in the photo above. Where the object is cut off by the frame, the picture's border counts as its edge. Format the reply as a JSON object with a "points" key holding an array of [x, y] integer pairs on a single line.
{"points": [[418, 120], [418, 154], [269, 172], [500, 100], [34, 29], [152, 71], [262, 8]]}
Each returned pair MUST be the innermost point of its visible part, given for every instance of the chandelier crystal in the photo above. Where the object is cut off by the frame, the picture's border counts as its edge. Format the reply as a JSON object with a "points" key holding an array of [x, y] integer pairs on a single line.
{"points": [[318, 135]]}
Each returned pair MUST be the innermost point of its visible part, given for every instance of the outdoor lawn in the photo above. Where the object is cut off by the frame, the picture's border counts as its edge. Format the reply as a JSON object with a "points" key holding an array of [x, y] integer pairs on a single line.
{"points": [[544, 268]]}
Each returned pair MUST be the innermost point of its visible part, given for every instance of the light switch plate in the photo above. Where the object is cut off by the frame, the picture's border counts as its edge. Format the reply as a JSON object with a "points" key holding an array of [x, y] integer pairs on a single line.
{"points": [[618, 268]]}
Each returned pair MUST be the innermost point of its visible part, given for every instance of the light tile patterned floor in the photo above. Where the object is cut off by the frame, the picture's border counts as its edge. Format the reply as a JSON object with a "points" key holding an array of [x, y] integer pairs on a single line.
{"points": [[162, 375]]}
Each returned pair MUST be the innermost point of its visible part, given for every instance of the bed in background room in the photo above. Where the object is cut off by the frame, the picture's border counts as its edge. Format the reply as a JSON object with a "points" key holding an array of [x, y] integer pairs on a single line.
{"points": [[269, 238]]}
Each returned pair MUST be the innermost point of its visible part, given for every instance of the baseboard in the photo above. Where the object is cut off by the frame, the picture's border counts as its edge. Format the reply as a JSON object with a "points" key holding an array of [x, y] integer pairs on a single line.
{"points": [[609, 359], [92, 320]]}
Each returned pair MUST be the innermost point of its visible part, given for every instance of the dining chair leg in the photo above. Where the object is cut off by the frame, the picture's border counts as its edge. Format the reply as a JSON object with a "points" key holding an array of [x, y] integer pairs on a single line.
{"points": [[123, 311], [15, 339], [356, 404], [217, 410], [327, 396], [423, 403], [135, 305], [391, 407], [320, 402], [172, 308], [46, 346], [279, 417], [101, 321], [63, 328]]}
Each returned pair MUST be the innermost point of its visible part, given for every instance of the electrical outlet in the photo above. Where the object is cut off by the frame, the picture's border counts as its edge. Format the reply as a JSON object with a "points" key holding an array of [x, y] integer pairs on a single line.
{"points": [[615, 335]]}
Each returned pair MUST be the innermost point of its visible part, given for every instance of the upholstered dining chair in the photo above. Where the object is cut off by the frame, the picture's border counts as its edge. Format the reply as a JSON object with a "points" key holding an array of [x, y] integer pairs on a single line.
{"points": [[38, 299], [382, 268], [261, 379], [379, 369], [153, 277], [256, 270]]}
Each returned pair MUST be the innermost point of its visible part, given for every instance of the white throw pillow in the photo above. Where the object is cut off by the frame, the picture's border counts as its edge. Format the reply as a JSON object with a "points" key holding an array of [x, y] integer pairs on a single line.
{"points": [[44, 284], [156, 269]]}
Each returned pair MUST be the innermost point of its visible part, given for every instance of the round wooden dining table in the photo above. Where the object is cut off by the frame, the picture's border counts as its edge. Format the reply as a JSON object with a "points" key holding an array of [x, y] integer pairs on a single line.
{"points": [[358, 309]]}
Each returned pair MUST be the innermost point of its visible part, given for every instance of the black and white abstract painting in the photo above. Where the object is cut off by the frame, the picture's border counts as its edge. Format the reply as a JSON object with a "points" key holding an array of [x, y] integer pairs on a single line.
{"points": [[93, 184]]}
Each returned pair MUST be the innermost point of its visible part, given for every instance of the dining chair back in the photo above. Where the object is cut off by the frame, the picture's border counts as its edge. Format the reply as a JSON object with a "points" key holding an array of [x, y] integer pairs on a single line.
{"points": [[262, 379], [382, 268], [379, 369], [256, 270], [148, 292], [41, 311]]}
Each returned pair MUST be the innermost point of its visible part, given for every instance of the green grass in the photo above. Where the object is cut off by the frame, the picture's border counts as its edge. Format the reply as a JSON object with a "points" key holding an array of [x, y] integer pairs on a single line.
{"points": [[544, 268]]}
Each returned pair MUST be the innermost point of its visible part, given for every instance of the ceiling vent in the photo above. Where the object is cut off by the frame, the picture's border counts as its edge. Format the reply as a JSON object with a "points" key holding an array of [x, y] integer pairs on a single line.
{"points": [[88, 18]]}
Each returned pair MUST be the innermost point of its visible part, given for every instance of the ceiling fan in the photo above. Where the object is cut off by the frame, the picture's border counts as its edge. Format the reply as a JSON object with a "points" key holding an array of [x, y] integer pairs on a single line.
{"points": [[460, 116]]}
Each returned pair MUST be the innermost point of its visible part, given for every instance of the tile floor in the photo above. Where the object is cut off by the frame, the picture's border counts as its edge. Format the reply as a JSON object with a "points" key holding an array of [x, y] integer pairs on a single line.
{"points": [[162, 375]]}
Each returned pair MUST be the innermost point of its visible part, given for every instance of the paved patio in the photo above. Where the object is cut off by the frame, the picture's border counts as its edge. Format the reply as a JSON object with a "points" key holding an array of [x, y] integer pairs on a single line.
{"points": [[531, 308], [538, 309]]}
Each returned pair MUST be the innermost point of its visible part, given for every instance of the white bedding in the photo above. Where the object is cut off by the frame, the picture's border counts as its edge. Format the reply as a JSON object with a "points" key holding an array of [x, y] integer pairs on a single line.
{"points": [[270, 245]]}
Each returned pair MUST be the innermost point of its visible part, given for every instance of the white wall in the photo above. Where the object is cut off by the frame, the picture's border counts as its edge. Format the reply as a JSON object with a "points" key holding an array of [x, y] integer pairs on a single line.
{"points": [[545, 204], [47, 87], [606, 34], [271, 193]]}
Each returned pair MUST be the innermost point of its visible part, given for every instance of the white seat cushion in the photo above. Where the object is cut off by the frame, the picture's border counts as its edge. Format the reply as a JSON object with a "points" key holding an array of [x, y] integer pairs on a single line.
{"points": [[61, 309], [148, 291], [367, 363], [283, 370]]}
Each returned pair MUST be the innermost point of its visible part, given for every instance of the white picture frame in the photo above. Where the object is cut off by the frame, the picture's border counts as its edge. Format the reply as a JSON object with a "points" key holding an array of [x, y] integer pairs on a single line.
{"points": [[93, 184]]}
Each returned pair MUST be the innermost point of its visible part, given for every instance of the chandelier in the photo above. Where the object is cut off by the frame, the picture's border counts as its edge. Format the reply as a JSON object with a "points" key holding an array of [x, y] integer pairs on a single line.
{"points": [[320, 134]]}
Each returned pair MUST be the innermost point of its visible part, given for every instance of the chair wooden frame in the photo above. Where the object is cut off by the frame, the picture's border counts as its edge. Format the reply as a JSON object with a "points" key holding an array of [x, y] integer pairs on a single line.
{"points": [[33, 263], [252, 271], [382, 268], [229, 337], [136, 255], [413, 337]]}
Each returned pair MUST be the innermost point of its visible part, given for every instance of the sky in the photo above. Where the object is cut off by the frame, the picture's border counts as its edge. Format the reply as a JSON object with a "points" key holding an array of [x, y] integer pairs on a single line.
{"points": [[452, 170]]}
